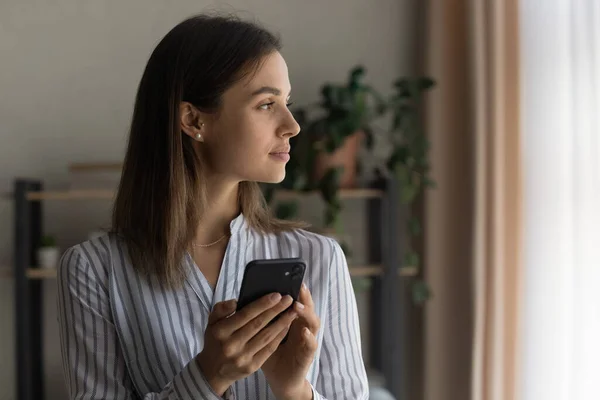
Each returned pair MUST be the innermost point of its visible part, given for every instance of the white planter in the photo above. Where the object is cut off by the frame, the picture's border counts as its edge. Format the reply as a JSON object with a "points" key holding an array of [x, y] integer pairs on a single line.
{"points": [[48, 257]]}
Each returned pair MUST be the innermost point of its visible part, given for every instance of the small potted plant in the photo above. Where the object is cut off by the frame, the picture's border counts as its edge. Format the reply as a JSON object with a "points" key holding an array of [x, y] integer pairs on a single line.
{"points": [[333, 130], [48, 252], [347, 110]]}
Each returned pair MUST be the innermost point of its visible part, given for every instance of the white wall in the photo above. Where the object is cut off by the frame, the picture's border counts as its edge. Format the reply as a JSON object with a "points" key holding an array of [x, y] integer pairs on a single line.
{"points": [[68, 74]]}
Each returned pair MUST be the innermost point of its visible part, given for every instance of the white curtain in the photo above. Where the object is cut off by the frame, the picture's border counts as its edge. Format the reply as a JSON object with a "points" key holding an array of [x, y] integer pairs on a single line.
{"points": [[560, 60]]}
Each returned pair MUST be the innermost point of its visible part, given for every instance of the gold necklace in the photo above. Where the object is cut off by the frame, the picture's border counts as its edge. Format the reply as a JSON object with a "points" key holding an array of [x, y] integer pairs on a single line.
{"points": [[210, 244]]}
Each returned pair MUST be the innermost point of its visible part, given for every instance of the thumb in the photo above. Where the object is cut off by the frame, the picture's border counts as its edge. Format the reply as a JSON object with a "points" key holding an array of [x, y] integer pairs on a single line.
{"points": [[222, 310]]}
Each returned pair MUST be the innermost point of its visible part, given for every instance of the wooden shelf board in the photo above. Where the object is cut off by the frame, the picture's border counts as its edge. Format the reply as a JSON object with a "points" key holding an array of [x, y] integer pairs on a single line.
{"points": [[32, 273], [408, 271], [71, 195], [110, 194], [377, 270], [366, 270], [344, 194], [358, 271], [38, 273]]}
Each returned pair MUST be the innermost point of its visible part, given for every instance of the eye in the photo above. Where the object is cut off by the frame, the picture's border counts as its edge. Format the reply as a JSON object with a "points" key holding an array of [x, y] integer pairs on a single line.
{"points": [[266, 106], [269, 106]]}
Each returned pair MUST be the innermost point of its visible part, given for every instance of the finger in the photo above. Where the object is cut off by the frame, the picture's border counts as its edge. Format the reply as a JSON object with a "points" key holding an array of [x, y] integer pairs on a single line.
{"points": [[262, 339], [308, 348], [258, 324], [249, 312], [255, 316], [307, 317], [305, 297], [222, 310], [268, 350]]}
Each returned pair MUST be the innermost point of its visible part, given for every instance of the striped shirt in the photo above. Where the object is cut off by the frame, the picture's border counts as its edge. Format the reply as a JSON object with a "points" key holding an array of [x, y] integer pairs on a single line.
{"points": [[126, 337]]}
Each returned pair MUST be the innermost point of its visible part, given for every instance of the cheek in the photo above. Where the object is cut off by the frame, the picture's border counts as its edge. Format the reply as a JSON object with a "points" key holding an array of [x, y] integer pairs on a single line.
{"points": [[252, 136], [241, 146], [244, 141]]}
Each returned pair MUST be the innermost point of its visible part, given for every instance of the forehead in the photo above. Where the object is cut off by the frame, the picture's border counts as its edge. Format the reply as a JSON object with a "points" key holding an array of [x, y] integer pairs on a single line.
{"points": [[271, 71]]}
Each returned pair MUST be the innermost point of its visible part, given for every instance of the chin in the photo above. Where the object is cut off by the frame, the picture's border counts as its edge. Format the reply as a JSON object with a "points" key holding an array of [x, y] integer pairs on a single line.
{"points": [[266, 174], [277, 179], [270, 178]]}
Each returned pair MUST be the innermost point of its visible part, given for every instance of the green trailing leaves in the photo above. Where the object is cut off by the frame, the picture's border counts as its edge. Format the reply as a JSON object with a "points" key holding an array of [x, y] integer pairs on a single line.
{"points": [[420, 292], [414, 226], [351, 106], [411, 259]]}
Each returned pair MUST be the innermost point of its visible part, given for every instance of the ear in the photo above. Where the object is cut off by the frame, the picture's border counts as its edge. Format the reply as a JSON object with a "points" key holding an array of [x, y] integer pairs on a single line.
{"points": [[192, 121]]}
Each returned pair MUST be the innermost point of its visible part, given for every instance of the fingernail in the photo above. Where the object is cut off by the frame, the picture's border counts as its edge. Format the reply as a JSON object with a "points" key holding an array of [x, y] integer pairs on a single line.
{"points": [[300, 305], [275, 297], [304, 286], [306, 333]]}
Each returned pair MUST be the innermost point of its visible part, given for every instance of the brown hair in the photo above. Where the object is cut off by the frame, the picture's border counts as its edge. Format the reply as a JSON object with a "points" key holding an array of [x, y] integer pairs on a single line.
{"points": [[161, 195]]}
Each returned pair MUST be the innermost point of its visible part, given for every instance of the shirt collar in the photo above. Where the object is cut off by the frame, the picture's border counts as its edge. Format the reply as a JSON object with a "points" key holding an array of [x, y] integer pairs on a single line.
{"points": [[237, 224]]}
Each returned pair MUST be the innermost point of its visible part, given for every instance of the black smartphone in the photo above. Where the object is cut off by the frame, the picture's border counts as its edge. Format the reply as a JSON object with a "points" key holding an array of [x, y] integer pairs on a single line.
{"points": [[261, 277]]}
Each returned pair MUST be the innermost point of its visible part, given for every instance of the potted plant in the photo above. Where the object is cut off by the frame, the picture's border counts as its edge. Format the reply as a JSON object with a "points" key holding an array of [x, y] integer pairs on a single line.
{"points": [[48, 252], [347, 110], [325, 156]]}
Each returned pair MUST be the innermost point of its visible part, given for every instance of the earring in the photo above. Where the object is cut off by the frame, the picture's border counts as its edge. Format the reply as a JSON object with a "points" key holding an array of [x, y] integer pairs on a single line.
{"points": [[199, 135]]}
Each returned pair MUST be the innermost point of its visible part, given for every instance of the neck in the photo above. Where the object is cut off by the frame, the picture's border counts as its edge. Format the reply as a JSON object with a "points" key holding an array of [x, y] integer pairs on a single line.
{"points": [[222, 207]]}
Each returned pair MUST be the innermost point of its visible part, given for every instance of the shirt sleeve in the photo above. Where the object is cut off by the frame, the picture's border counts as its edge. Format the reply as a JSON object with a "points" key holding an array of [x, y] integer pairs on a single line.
{"points": [[93, 362], [342, 372]]}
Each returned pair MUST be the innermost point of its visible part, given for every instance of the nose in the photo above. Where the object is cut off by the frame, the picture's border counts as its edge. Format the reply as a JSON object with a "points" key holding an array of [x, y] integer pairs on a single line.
{"points": [[289, 126]]}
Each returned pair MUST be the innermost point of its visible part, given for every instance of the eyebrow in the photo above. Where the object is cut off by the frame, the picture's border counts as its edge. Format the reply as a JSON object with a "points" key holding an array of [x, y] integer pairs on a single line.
{"points": [[267, 89]]}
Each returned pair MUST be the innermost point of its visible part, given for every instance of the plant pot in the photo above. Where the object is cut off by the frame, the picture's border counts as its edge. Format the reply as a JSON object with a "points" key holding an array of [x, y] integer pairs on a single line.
{"points": [[48, 257], [345, 156]]}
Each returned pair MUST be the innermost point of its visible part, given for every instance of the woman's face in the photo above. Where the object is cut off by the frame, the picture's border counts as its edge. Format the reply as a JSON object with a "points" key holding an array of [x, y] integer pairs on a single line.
{"points": [[248, 139]]}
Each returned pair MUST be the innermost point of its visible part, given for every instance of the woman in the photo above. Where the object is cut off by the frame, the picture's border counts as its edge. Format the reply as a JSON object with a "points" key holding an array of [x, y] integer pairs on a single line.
{"points": [[148, 310]]}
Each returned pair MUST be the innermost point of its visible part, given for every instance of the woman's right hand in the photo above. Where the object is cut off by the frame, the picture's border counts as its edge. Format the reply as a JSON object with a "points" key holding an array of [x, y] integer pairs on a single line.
{"points": [[237, 345]]}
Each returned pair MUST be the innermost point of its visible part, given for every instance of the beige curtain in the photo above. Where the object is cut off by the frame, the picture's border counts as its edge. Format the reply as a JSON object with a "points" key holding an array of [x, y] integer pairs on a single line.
{"points": [[473, 218]]}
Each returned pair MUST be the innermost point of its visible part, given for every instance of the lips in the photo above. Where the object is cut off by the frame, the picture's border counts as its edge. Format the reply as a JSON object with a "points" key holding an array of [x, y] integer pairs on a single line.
{"points": [[280, 156], [281, 153], [281, 150]]}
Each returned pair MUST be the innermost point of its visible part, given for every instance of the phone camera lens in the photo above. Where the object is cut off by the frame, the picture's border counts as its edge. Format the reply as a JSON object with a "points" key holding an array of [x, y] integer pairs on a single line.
{"points": [[297, 269]]}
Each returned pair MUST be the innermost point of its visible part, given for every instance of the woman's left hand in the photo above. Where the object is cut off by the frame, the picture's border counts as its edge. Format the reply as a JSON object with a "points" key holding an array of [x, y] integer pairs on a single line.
{"points": [[286, 369]]}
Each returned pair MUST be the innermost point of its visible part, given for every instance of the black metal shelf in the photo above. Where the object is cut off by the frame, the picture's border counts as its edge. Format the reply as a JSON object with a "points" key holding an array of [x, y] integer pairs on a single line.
{"points": [[387, 346]]}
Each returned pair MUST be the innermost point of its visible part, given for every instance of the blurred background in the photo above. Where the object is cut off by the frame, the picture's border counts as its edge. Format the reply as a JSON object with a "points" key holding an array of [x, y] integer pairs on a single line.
{"points": [[468, 202]]}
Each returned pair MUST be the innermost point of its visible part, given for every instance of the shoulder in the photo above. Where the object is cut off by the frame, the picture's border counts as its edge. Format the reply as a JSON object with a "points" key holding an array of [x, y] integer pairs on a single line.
{"points": [[88, 261], [312, 245]]}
